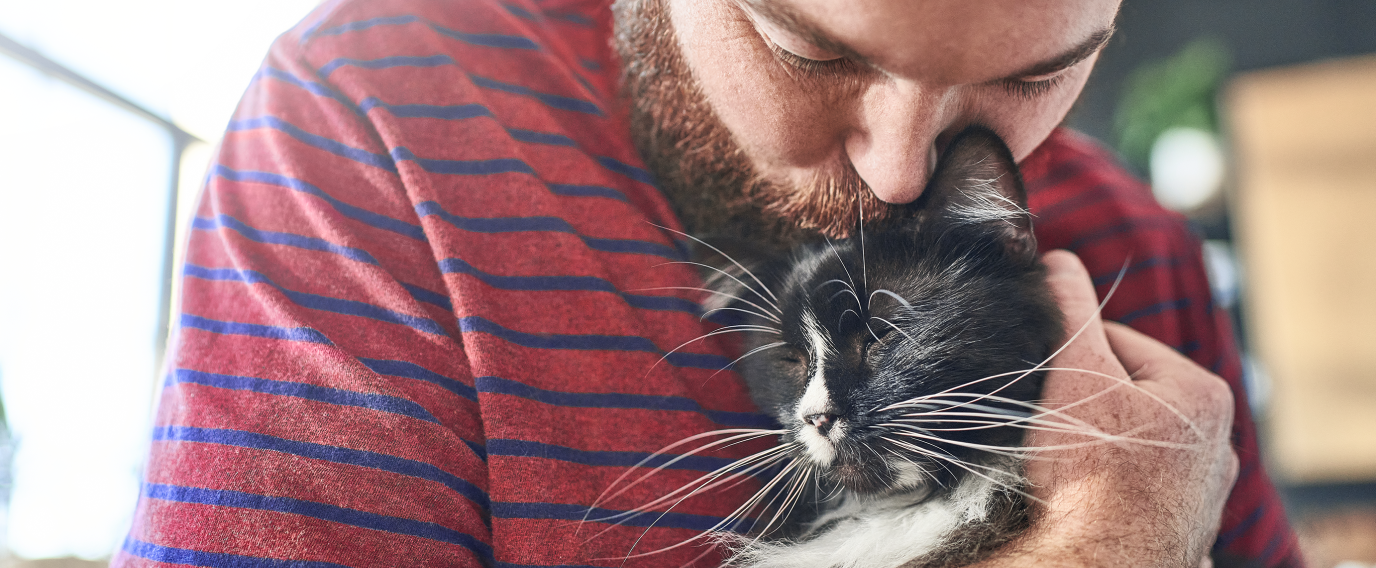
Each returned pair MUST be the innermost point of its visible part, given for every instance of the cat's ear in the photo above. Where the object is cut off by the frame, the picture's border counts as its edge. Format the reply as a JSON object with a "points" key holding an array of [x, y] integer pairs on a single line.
{"points": [[977, 183]]}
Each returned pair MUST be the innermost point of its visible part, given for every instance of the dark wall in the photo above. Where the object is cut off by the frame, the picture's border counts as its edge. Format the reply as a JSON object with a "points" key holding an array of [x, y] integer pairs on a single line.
{"points": [[1259, 34]]}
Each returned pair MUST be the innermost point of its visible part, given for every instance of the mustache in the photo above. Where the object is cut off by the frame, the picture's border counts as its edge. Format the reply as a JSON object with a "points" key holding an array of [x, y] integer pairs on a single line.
{"points": [[832, 203]]}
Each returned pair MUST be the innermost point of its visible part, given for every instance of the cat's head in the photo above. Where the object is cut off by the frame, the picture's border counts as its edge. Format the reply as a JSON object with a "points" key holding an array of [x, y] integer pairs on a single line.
{"points": [[895, 359]]}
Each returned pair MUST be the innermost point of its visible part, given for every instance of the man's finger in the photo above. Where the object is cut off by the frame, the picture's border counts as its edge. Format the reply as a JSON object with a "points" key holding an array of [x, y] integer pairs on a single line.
{"points": [[1140, 353], [1074, 293]]}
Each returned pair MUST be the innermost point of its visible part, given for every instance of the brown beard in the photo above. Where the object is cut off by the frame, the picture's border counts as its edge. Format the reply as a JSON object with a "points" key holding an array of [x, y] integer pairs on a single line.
{"points": [[700, 167]]}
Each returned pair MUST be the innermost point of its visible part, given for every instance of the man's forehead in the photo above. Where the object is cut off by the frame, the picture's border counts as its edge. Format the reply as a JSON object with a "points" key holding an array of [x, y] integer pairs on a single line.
{"points": [[946, 41]]}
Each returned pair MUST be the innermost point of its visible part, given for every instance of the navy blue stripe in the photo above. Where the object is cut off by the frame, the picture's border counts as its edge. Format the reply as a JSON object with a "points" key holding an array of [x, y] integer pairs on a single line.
{"points": [[446, 112], [1227, 537], [1130, 225], [582, 81], [1084, 199], [528, 283], [462, 112], [378, 402], [534, 137], [334, 454], [487, 40], [251, 329], [365, 24], [1158, 261], [331, 513], [169, 555], [497, 385], [589, 64], [631, 343], [409, 370], [423, 295], [519, 12], [1155, 309], [529, 449], [572, 18], [278, 238], [318, 89], [556, 511], [316, 301], [586, 191], [637, 174], [495, 224], [387, 62], [663, 303], [568, 284], [315, 140], [548, 224], [353, 212], [477, 448], [630, 246], [555, 101], [464, 167]]}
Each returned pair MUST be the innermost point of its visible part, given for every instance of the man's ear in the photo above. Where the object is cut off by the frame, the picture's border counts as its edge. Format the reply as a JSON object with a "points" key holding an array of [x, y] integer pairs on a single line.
{"points": [[977, 183]]}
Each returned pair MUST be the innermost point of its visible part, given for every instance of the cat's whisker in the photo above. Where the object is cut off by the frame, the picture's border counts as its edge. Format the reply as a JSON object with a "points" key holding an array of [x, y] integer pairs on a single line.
{"points": [[843, 266], [1017, 452], [733, 261], [1038, 410], [847, 290], [1097, 311], [709, 313], [724, 523], [864, 265], [891, 294], [773, 303], [724, 330], [919, 467], [734, 472], [713, 480], [1030, 452], [748, 353], [1119, 382], [895, 328], [762, 311], [795, 486], [967, 466], [970, 467], [710, 549], [736, 434]]}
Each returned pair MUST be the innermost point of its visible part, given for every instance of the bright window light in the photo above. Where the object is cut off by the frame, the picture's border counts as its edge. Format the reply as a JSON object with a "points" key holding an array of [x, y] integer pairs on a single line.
{"points": [[83, 210]]}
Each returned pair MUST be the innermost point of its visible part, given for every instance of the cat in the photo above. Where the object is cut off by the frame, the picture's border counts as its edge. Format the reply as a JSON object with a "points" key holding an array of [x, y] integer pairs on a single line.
{"points": [[903, 367]]}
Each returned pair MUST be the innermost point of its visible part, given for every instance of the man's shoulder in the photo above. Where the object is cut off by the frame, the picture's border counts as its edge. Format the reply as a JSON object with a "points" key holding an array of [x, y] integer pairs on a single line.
{"points": [[1086, 201]]}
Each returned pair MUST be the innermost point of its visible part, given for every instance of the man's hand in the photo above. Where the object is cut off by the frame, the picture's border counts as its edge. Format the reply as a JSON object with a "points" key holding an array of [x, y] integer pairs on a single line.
{"points": [[1153, 498]]}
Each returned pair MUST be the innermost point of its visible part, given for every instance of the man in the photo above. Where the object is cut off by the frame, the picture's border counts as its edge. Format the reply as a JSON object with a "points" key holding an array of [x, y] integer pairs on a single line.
{"points": [[429, 312]]}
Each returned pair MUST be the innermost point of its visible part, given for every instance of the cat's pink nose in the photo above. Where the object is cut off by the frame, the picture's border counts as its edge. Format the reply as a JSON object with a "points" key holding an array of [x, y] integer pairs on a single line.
{"points": [[822, 422]]}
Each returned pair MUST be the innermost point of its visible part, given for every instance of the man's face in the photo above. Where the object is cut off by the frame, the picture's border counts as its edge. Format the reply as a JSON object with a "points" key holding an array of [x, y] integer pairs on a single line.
{"points": [[798, 112]]}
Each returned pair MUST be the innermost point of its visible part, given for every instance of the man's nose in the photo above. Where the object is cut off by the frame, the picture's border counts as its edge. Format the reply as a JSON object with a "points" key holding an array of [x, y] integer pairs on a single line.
{"points": [[892, 143]]}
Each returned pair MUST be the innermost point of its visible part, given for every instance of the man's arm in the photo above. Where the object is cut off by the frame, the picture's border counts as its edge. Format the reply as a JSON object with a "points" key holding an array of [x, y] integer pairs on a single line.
{"points": [[1126, 504]]}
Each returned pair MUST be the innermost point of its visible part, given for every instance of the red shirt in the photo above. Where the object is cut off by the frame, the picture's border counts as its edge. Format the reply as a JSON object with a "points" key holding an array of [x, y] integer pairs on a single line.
{"points": [[420, 326]]}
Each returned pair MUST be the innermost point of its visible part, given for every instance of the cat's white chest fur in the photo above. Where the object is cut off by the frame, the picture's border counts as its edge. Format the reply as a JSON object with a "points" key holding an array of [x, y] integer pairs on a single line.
{"points": [[883, 532]]}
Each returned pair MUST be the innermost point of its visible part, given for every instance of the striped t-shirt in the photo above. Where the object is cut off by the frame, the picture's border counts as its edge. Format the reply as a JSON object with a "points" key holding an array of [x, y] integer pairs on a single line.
{"points": [[428, 313]]}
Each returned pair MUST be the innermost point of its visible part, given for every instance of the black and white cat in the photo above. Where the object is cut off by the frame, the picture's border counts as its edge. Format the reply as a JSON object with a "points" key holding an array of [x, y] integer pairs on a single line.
{"points": [[904, 366]]}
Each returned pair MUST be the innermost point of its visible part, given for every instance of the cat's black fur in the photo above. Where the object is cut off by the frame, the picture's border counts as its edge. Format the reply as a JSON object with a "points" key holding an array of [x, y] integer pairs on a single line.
{"points": [[945, 298]]}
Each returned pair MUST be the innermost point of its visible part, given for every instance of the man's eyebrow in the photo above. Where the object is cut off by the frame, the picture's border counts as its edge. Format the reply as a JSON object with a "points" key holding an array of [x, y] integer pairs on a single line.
{"points": [[794, 22], [1069, 58]]}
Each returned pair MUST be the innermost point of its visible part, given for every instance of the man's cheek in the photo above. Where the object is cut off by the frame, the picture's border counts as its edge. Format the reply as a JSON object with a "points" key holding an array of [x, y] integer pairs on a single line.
{"points": [[771, 116]]}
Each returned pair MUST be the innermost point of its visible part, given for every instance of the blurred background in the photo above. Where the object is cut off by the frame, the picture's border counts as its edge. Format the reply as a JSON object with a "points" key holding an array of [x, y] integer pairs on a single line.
{"points": [[1254, 118]]}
